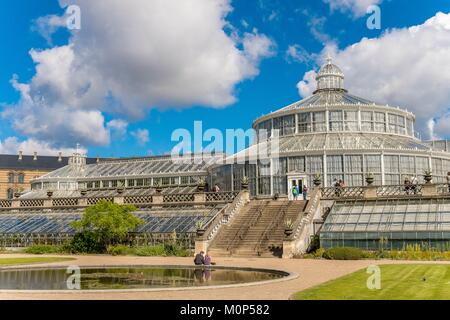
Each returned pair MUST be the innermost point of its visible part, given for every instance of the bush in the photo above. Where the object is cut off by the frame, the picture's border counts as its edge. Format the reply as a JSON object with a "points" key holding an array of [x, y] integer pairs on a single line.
{"points": [[157, 250], [85, 242], [119, 250], [343, 253], [318, 253], [44, 249], [162, 250], [105, 223], [176, 250]]}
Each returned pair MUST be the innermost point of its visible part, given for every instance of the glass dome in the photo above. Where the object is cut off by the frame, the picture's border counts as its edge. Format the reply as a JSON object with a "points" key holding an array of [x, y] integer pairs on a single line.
{"points": [[330, 77]]}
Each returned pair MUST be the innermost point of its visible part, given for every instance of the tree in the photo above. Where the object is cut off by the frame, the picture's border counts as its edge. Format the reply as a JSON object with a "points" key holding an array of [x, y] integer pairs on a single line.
{"points": [[107, 223]]}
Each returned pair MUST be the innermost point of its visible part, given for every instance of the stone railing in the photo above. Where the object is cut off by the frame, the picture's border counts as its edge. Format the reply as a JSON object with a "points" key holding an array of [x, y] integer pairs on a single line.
{"points": [[65, 202], [223, 217], [137, 199], [388, 191], [93, 201], [5, 203], [300, 239], [221, 196], [178, 197], [307, 215], [400, 190], [342, 192], [443, 188], [199, 198], [32, 203], [229, 211]]}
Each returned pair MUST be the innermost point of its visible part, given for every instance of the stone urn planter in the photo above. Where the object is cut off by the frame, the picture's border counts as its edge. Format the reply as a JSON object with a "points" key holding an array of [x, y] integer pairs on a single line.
{"points": [[427, 176], [83, 192], [158, 189], [288, 227], [370, 179], [120, 190], [317, 180], [200, 232], [49, 194], [244, 183], [201, 185], [16, 195], [200, 228]]}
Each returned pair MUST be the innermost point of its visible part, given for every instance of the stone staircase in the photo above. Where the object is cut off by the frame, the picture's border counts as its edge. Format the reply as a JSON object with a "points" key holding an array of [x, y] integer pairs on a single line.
{"points": [[258, 230]]}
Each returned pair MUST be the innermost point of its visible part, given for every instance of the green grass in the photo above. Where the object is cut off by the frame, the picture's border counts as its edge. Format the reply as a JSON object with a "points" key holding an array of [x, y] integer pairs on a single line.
{"points": [[16, 261], [409, 282]]}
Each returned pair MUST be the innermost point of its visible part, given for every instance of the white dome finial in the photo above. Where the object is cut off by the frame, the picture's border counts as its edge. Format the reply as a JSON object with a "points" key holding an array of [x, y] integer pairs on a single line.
{"points": [[329, 77]]}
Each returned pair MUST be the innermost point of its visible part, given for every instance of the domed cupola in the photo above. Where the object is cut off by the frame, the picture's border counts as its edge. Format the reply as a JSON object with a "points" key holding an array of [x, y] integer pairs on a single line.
{"points": [[330, 77]]}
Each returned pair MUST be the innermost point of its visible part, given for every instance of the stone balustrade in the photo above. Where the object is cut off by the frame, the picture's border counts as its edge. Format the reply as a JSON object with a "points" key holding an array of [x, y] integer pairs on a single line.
{"points": [[388, 191], [199, 198]]}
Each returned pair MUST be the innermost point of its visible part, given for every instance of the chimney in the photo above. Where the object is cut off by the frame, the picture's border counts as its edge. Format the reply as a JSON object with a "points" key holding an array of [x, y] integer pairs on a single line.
{"points": [[35, 155], [20, 155], [59, 156]]}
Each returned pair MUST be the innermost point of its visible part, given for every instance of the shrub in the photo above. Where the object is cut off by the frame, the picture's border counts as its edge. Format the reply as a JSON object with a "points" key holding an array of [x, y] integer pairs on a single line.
{"points": [[106, 224], [175, 250], [119, 250], [161, 250], [343, 253], [157, 250], [85, 242], [43, 249], [318, 253]]}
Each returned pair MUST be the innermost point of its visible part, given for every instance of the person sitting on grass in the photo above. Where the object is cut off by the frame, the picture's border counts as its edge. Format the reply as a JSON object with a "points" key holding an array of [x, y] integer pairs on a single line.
{"points": [[199, 259]]}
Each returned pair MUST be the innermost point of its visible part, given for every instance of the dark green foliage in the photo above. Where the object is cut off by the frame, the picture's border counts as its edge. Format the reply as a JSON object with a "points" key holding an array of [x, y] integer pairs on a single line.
{"points": [[86, 242], [44, 249], [102, 225], [344, 253]]}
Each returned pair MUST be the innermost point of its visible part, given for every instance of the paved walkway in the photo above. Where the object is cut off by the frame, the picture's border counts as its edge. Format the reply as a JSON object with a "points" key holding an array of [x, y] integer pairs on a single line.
{"points": [[311, 273]]}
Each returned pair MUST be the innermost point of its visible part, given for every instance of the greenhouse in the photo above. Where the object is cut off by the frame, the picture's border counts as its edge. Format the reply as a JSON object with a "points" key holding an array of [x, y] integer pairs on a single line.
{"points": [[398, 221], [338, 136]]}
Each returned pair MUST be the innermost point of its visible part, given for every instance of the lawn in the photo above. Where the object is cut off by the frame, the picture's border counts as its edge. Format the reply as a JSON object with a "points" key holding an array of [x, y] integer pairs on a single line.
{"points": [[409, 282], [16, 261]]}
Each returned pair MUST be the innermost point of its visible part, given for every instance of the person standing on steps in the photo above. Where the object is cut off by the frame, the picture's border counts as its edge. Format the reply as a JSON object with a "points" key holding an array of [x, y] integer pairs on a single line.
{"points": [[295, 191], [305, 192]]}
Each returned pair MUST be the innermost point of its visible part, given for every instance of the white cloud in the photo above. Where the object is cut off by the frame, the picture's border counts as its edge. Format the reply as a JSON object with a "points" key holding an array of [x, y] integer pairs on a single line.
{"points": [[296, 53], [130, 57], [358, 8], [307, 86], [408, 67], [47, 25], [141, 135], [118, 127], [316, 26], [12, 145]]}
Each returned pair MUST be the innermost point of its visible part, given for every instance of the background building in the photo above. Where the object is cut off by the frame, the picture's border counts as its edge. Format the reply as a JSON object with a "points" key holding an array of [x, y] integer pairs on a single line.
{"points": [[16, 171]]}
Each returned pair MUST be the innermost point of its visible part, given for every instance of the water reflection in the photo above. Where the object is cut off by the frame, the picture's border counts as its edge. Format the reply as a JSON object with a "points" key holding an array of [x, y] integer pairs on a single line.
{"points": [[129, 278]]}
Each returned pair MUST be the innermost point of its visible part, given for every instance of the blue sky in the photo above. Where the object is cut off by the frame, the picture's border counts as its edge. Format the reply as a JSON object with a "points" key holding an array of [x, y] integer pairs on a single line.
{"points": [[268, 84]]}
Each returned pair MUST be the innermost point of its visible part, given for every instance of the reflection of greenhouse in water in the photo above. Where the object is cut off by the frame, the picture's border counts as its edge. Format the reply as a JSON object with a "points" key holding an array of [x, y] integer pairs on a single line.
{"points": [[341, 137]]}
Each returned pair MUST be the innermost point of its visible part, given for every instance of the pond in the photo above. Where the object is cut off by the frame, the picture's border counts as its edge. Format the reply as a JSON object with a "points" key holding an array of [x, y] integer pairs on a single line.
{"points": [[130, 277]]}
